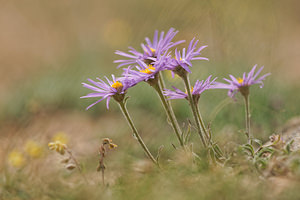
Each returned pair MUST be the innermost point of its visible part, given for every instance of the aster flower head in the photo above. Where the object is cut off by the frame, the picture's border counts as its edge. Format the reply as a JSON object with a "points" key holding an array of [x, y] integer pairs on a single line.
{"points": [[151, 50], [242, 84], [148, 73], [116, 88], [197, 90], [182, 61]]}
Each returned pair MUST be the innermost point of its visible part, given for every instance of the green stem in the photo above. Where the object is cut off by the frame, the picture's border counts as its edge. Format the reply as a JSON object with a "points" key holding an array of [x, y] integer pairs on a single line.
{"points": [[247, 116], [202, 122], [135, 132], [208, 136], [192, 104], [170, 113]]}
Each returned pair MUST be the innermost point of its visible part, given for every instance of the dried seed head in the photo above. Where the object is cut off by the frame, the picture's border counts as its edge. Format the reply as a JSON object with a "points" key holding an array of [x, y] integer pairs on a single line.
{"points": [[65, 161], [70, 166], [112, 145], [106, 141]]}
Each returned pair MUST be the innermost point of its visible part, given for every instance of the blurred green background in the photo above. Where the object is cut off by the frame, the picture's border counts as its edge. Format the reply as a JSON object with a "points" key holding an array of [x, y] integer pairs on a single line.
{"points": [[48, 48]]}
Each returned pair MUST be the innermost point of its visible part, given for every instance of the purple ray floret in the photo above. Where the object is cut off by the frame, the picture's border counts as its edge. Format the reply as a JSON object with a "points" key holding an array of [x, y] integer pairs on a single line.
{"points": [[118, 86], [151, 50], [237, 84], [198, 89], [184, 59]]}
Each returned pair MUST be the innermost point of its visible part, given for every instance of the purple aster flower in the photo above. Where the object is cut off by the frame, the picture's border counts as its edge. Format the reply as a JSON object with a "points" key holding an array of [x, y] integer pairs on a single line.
{"points": [[200, 86], [116, 88], [151, 50], [182, 61], [148, 73], [242, 84]]}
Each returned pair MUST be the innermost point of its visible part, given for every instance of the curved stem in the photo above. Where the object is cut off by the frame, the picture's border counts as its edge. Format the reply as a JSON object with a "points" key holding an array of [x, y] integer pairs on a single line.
{"points": [[135, 132], [247, 116], [170, 113], [192, 104]]}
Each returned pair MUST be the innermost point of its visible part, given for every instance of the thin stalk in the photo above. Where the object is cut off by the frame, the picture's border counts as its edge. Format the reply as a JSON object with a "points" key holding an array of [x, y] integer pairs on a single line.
{"points": [[161, 80], [135, 132], [208, 136], [163, 86], [170, 113], [201, 122], [247, 116], [192, 104]]}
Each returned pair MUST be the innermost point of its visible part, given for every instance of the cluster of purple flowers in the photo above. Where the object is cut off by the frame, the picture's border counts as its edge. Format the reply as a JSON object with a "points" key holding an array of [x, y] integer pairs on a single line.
{"points": [[156, 56]]}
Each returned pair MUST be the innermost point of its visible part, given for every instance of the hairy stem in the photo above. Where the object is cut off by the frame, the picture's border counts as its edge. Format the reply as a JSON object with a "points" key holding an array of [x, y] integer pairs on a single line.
{"points": [[194, 109], [170, 113], [135, 132]]}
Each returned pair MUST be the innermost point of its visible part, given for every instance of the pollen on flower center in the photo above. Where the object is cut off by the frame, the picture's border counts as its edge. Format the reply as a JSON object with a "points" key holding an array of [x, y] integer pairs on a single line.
{"points": [[240, 80], [148, 70], [117, 85]]}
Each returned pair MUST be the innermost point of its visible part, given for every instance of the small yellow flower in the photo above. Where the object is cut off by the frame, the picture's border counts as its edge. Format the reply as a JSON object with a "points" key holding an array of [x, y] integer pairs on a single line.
{"points": [[61, 137], [58, 147], [16, 159], [33, 149]]}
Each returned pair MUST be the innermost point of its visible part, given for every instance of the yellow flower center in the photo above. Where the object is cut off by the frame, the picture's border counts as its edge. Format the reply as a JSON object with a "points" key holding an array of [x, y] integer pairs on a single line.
{"points": [[117, 85], [148, 69], [240, 80], [153, 50]]}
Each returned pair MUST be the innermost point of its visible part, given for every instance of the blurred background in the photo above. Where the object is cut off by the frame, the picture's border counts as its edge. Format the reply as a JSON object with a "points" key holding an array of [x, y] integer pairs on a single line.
{"points": [[48, 48]]}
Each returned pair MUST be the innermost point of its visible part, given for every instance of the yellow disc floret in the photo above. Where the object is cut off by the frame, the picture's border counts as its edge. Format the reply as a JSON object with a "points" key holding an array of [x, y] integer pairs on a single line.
{"points": [[240, 80], [148, 69], [117, 85], [153, 50]]}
